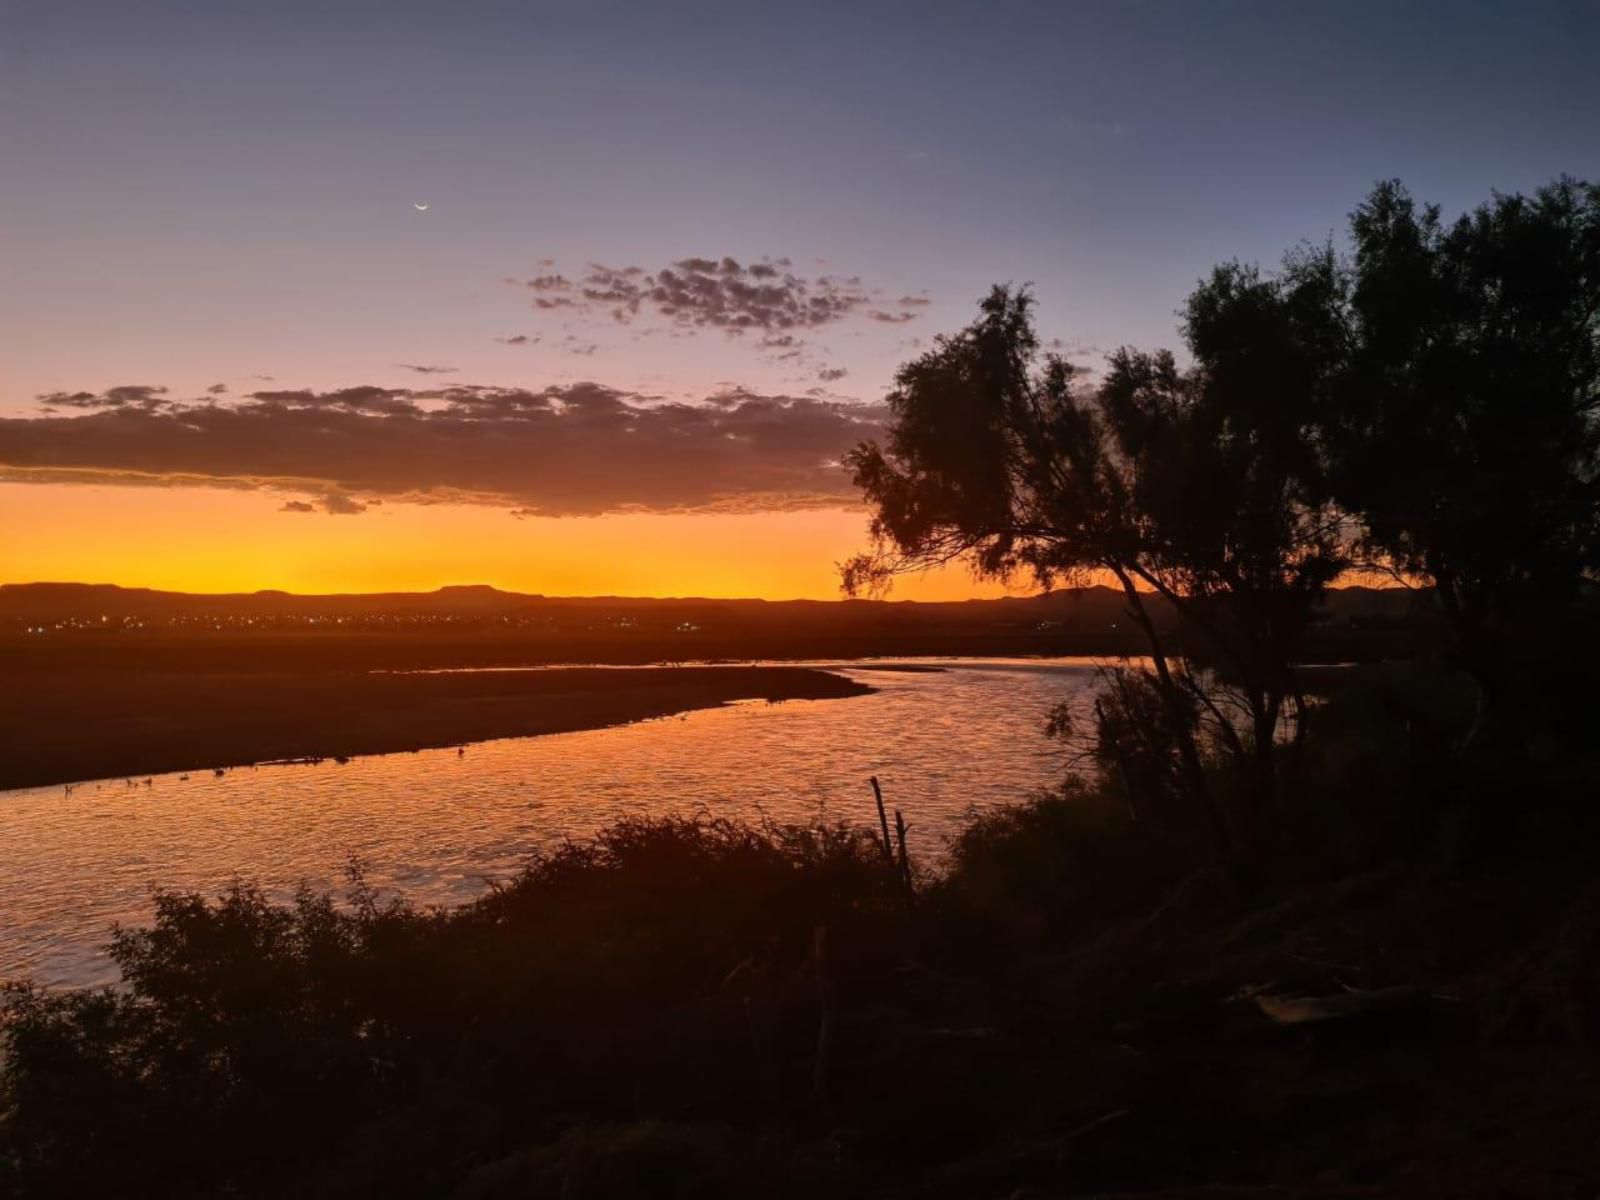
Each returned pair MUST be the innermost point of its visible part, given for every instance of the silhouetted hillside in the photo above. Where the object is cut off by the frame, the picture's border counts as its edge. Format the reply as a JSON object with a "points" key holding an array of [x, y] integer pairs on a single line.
{"points": [[523, 627]]}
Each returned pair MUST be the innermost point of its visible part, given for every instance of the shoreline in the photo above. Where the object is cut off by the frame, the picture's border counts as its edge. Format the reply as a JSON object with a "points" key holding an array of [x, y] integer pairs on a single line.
{"points": [[153, 724]]}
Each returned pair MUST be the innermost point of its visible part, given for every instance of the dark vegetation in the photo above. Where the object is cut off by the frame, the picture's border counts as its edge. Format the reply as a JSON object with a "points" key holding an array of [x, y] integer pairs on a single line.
{"points": [[70, 717], [171, 682], [1069, 1007], [1426, 406], [1290, 931], [59, 626]]}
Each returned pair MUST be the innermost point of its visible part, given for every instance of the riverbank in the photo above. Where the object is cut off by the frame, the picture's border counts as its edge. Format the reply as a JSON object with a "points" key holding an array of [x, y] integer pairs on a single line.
{"points": [[81, 722], [1076, 1002], [692, 1007]]}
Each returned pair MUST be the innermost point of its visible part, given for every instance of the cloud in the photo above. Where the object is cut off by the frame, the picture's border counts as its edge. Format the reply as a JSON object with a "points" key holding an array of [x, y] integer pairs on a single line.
{"points": [[217, 389], [365, 398], [1062, 346], [1064, 349], [782, 347], [832, 374], [578, 449], [127, 396], [694, 294], [520, 339], [427, 369], [335, 504]]}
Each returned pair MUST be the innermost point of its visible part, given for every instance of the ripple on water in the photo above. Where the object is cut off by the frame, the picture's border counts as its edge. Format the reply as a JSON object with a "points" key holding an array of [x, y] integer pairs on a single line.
{"points": [[437, 826]]}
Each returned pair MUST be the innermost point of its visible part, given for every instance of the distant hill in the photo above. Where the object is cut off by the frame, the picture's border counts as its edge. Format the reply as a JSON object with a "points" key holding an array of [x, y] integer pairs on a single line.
{"points": [[479, 625], [53, 600], [27, 602]]}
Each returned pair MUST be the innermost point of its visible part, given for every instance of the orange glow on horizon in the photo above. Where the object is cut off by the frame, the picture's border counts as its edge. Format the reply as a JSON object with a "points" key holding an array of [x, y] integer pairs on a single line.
{"points": [[225, 540]]}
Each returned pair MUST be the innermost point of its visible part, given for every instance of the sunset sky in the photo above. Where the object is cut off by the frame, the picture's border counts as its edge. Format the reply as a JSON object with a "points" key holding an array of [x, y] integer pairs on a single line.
{"points": [[590, 298]]}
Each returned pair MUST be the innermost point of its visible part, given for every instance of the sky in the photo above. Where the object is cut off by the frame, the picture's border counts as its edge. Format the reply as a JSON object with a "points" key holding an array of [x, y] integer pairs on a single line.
{"points": [[590, 298]]}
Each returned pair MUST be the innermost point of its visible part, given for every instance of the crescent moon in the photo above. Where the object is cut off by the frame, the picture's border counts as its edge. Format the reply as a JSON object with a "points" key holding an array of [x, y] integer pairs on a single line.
{"points": [[421, 206]]}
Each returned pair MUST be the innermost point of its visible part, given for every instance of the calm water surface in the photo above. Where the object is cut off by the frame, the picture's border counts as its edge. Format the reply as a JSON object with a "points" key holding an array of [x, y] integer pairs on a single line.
{"points": [[437, 826]]}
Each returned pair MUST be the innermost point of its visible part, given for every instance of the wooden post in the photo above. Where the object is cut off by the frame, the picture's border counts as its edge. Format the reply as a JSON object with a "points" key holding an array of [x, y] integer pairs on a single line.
{"points": [[883, 820], [905, 861]]}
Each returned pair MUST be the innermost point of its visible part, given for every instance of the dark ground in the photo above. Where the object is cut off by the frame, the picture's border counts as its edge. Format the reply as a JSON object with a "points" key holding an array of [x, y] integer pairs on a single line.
{"points": [[1072, 1007], [105, 682], [74, 714]]}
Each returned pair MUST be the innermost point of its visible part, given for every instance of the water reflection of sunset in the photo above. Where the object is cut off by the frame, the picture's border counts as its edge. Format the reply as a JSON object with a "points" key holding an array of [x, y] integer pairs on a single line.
{"points": [[435, 825]]}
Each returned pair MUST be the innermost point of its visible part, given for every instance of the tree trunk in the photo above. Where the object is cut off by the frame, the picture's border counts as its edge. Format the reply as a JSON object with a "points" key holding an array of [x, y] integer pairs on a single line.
{"points": [[1194, 773], [1481, 652]]}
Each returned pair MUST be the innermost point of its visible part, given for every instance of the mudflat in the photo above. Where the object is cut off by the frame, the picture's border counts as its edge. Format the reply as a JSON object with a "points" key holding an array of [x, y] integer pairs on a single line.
{"points": [[67, 720]]}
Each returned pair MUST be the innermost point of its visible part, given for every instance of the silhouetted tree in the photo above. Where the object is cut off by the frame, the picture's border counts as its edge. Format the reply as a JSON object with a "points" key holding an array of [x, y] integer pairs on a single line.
{"points": [[1466, 436], [1198, 485], [1241, 536]]}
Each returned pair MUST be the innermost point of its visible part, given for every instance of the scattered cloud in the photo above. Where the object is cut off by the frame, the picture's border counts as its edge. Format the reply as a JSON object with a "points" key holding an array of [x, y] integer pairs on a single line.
{"points": [[520, 339], [692, 294], [573, 449], [138, 396], [217, 389], [1065, 349], [782, 347], [427, 369], [335, 504], [386, 401], [832, 374]]}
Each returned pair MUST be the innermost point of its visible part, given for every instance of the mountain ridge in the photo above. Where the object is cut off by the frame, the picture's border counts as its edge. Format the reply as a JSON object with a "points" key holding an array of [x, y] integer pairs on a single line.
{"points": [[58, 598]]}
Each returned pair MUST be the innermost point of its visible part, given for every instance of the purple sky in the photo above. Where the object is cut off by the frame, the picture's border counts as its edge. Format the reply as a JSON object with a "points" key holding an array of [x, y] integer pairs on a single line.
{"points": [[203, 193]]}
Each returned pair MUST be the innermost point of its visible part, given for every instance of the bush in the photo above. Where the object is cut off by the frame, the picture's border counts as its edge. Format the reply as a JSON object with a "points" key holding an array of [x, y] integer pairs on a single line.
{"points": [[695, 1007], [1061, 866], [664, 967]]}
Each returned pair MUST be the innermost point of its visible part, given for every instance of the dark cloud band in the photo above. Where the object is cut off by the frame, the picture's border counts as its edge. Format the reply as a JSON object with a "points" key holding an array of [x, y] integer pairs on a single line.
{"points": [[579, 449]]}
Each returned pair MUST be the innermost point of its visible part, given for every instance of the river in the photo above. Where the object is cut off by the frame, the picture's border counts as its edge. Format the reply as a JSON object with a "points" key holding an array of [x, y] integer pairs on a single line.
{"points": [[438, 825]]}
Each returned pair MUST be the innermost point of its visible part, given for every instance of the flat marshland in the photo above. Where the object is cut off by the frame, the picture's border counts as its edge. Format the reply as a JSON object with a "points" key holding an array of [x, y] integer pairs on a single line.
{"points": [[78, 713]]}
